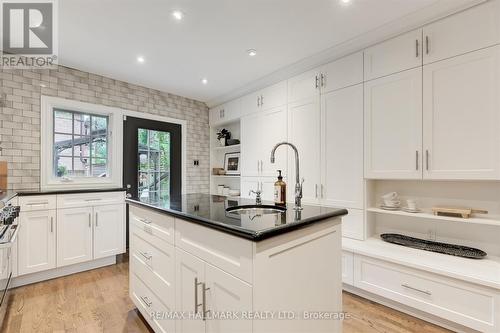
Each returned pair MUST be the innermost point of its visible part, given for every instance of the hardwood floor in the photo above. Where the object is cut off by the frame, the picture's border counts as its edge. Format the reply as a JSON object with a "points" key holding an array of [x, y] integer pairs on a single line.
{"points": [[97, 301]]}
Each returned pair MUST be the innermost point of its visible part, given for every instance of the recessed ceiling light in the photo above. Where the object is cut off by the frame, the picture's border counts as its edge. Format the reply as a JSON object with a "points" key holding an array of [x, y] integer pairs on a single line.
{"points": [[345, 2], [140, 59], [252, 52], [178, 15], [204, 81]]}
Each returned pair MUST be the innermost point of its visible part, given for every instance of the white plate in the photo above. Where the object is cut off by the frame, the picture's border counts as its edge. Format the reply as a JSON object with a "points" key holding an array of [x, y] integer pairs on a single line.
{"points": [[390, 207], [408, 210]]}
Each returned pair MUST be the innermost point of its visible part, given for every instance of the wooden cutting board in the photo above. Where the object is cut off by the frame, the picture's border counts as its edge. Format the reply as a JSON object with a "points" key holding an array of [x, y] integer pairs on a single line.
{"points": [[457, 212]]}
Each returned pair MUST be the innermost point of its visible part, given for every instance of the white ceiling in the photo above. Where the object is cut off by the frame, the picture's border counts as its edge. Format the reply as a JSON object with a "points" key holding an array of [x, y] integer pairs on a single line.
{"points": [[106, 36]]}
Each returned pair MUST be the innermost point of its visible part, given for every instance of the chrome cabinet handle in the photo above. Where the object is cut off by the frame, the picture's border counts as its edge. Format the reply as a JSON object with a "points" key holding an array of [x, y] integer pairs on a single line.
{"points": [[37, 203], [316, 189], [258, 101], [322, 191], [322, 80], [52, 225], [417, 53], [196, 305], [146, 255], [146, 301], [317, 82], [427, 49], [90, 220], [96, 219], [416, 160], [404, 285], [146, 221], [90, 200], [427, 160], [204, 301]]}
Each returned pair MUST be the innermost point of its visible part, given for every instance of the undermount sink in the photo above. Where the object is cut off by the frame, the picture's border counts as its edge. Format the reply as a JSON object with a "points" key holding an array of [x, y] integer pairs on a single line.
{"points": [[256, 209]]}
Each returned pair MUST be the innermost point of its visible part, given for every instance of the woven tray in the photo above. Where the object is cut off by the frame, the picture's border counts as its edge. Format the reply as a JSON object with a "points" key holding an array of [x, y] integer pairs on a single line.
{"points": [[421, 244]]}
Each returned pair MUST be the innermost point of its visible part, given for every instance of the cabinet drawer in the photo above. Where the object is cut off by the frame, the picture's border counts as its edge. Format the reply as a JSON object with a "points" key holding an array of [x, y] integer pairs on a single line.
{"points": [[155, 228], [150, 306], [229, 253], [460, 302], [156, 267], [37, 202], [89, 199]]}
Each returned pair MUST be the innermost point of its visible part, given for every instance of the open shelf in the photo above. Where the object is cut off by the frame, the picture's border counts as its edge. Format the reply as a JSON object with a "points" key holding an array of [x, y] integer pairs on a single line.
{"points": [[491, 220], [227, 147], [226, 176], [480, 271]]}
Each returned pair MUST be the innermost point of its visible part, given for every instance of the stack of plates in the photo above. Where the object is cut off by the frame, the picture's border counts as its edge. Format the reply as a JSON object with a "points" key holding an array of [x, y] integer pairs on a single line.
{"points": [[390, 207]]}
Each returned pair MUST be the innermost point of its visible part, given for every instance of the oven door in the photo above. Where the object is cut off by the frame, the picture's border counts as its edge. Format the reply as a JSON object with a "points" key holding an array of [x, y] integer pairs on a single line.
{"points": [[6, 268]]}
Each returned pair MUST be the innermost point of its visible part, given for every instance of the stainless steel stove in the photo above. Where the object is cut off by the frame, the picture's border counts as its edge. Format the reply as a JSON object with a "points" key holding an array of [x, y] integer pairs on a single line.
{"points": [[8, 233]]}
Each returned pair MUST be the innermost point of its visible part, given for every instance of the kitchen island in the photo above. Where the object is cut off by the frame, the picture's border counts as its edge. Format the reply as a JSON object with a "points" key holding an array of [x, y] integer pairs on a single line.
{"points": [[209, 263]]}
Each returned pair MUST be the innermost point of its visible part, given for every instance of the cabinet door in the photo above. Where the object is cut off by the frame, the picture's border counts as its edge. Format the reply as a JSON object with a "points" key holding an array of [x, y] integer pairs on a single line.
{"points": [[250, 103], [189, 271], [37, 241], [470, 30], [273, 96], [74, 236], [227, 294], [348, 267], [393, 126], [109, 230], [249, 184], [251, 139], [342, 147], [462, 116], [394, 55], [273, 129], [304, 86], [304, 133], [341, 73], [215, 115]]}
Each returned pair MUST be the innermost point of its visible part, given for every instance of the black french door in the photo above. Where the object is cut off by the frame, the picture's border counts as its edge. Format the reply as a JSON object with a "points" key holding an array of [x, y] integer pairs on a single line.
{"points": [[152, 160]]}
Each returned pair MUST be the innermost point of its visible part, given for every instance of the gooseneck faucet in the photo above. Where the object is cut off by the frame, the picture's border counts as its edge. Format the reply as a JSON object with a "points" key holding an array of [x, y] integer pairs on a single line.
{"points": [[298, 182]]}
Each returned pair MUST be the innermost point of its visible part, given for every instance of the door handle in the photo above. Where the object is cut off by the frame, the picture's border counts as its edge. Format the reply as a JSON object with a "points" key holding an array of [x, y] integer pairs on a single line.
{"points": [[90, 220], [416, 160], [146, 301], [316, 189], [204, 301], [322, 79], [322, 191], [316, 82], [96, 219], [417, 53], [404, 285], [146, 255], [196, 305], [427, 48], [52, 225], [427, 160]]}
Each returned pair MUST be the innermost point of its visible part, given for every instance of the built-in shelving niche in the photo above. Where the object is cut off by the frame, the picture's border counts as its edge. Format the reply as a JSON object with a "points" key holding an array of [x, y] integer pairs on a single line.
{"points": [[217, 154]]}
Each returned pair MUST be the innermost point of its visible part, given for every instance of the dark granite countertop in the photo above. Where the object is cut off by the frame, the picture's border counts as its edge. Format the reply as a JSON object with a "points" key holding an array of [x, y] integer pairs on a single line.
{"points": [[210, 211], [6, 195]]}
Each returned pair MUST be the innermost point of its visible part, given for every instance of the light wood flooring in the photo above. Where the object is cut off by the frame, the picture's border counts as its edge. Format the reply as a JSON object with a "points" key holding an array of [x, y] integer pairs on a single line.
{"points": [[97, 301]]}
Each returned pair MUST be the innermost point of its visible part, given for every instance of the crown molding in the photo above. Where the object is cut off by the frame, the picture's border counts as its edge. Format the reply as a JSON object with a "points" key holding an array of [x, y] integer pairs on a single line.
{"points": [[394, 28]]}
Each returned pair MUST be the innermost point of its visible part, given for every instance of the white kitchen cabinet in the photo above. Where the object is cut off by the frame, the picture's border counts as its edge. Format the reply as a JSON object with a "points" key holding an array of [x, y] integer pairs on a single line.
{"points": [[37, 241], [109, 230], [189, 283], [304, 132], [273, 96], [225, 294], [74, 236], [353, 224], [394, 55], [467, 31], [226, 112], [342, 148], [304, 86], [348, 267], [249, 184], [259, 133], [462, 116], [393, 126], [341, 73]]}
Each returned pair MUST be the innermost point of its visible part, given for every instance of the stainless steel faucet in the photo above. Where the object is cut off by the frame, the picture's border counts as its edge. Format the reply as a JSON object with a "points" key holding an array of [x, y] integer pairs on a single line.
{"points": [[298, 182], [258, 198]]}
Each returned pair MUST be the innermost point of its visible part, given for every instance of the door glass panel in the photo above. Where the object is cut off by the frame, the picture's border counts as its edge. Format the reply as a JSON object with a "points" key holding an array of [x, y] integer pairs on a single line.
{"points": [[154, 165]]}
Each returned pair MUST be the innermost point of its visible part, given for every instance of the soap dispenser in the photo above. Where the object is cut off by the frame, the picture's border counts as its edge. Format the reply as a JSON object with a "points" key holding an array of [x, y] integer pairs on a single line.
{"points": [[280, 191]]}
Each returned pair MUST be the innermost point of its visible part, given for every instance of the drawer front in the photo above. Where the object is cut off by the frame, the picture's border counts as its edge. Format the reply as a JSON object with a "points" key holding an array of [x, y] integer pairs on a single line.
{"points": [[460, 302], [150, 306], [229, 253], [155, 267], [348, 268], [37, 202], [89, 199], [155, 228]]}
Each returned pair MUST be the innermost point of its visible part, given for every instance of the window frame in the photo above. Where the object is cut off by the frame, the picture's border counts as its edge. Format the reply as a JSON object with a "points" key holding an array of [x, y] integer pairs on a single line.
{"points": [[48, 179]]}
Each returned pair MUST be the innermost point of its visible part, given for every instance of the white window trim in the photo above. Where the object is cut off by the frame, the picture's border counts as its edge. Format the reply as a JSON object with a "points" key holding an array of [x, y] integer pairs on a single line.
{"points": [[48, 182]]}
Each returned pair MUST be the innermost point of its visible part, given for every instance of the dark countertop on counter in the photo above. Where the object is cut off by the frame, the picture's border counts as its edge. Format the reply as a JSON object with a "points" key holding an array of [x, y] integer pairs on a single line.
{"points": [[6, 195], [210, 211]]}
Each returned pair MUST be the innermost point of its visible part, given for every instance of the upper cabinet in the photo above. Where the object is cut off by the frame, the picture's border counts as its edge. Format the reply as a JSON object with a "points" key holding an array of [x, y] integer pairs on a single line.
{"points": [[470, 30], [393, 126], [304, 86], [394, 55], [341, 73], [265, 99], [225, 113], [462, 116]]}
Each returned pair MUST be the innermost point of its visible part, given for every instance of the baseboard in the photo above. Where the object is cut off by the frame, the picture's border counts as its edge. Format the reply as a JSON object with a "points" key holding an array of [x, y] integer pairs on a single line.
{"points": [[62, 271], [409, 310]]}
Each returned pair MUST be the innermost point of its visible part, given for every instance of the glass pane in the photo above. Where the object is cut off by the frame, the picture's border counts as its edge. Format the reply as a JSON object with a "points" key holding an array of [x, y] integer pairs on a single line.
{"points": [[165, 181], [143, 162], [153, 197], [143, 180], [99, 167], [81, 124], [81, 146], [63, 166], [63, 121], [63, 145], [154, 181], [165, 195], [154, 160], [99, 125], [154, 140], [100, 147], [81, 167]]}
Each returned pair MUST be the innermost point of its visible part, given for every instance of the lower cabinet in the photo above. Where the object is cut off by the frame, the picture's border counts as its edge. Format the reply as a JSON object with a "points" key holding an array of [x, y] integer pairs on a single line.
{"points": [[74, 236], [348, 267], [36, 241], [109, 230]]}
